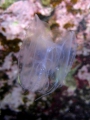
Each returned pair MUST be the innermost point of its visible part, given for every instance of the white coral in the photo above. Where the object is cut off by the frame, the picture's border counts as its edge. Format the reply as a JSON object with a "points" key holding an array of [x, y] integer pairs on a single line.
{"points": [[14, 99]]}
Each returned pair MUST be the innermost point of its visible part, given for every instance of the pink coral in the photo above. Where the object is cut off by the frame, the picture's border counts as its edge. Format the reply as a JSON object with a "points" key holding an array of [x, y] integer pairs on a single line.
{"points": [[16, 18], [19, 16], [82, 4]]}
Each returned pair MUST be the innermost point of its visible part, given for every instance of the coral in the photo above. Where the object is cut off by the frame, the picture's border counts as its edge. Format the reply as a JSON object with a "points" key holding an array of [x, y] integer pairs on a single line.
{"points": [[16, 98]]}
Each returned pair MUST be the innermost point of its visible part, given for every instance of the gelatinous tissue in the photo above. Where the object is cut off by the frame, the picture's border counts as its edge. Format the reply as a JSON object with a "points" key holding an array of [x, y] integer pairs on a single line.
{"points": [[43, 63]]}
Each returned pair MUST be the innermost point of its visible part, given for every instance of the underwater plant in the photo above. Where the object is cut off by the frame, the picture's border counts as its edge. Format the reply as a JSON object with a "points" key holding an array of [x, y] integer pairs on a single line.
{"points": [[43, 63], [6, 3]]}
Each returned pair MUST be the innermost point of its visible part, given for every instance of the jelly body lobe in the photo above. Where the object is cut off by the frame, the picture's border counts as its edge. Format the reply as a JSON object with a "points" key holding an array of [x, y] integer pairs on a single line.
{"points": [[40, 65]]}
